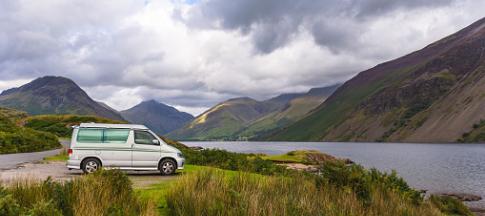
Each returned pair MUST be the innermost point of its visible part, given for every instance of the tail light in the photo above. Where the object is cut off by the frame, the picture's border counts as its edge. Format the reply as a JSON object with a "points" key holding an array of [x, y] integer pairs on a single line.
{"points": [[69, 151]]}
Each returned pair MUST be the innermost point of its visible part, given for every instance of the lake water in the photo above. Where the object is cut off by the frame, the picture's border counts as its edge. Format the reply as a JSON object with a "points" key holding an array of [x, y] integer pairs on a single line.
{"points": [[434, 167]]}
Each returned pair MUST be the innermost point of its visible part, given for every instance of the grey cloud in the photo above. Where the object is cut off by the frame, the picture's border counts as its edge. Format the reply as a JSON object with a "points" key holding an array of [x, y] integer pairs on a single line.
{"points": [[271, 23]]}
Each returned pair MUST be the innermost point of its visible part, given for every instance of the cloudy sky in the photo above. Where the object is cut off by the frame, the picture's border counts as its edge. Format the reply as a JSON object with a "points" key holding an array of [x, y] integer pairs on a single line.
{"points": [[194, 54]]}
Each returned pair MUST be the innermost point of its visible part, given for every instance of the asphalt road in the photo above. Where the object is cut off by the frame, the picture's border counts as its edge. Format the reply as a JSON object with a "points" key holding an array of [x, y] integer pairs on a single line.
{"points": [[10, 161]]}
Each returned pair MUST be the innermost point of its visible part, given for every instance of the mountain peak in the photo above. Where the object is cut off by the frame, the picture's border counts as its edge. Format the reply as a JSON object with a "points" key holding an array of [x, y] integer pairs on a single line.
{"points": [[160, 117], [54, 95]]}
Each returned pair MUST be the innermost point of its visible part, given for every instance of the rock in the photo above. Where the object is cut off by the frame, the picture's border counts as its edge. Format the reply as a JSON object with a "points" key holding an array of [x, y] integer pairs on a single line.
{"points": [[462, 196], [197, 148], [301, 167], [348, 161]]}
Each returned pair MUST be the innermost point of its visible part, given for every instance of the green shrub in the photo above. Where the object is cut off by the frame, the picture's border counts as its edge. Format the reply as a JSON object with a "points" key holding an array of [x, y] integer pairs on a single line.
{"points": [[102, 193], [363, 182], [26, 140], [450, 205], [60, 125]]}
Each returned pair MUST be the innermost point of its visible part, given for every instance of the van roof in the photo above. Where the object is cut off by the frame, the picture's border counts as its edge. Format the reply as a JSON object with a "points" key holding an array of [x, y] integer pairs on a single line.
{"points": [[99, 125]]}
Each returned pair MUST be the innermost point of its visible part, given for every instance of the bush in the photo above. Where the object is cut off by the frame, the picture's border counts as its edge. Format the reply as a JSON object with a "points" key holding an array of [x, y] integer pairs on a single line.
{"points": [[363, 182], [102, 193], [450, 205], [26, 140]]}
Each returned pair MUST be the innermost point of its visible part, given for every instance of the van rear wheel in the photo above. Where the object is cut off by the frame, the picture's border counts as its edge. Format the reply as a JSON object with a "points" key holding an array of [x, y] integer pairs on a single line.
{"points": [[167, 167], [91, 165]]}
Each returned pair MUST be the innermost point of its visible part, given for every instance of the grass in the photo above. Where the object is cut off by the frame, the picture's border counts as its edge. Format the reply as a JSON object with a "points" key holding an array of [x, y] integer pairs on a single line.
{"points": [[157, 193], [62, 156], [214, 193], [301, 156], [102, 193]]}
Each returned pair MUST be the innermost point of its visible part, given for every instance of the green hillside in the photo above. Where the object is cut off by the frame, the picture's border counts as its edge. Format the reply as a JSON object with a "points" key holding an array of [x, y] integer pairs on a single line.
{"points": [[60, 125], [16, 139]]}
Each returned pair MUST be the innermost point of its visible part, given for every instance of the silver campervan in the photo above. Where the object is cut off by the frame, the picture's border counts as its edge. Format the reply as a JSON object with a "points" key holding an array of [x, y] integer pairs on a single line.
{"points": [[122, 146]]}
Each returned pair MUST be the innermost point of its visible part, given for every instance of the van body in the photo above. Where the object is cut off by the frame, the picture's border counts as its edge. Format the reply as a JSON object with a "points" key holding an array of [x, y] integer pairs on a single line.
{"points": [[122, 146]]}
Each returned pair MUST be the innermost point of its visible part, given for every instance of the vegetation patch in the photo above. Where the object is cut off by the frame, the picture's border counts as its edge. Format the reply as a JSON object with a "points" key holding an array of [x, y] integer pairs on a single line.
{"points": [[476, 135], [16, 139], [313, 157], [215, 193], [101, 193], [450, 205]]}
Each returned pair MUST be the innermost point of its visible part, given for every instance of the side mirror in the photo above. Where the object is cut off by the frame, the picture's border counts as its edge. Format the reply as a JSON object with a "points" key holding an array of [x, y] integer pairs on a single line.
{"points": [[155, 142]]}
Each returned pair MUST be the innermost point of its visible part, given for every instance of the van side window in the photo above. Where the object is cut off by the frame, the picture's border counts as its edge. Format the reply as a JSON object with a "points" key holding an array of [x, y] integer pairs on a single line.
{"points": [[90, 135], [116, 135], [143, 137], [99, 135]]}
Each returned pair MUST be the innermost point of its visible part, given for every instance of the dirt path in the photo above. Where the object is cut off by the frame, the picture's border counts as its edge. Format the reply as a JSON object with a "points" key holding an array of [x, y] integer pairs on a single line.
{"points": [[58, 172]]}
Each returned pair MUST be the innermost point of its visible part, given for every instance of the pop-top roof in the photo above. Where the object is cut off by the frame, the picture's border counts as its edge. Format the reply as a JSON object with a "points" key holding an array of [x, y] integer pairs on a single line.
{"points": [[99, 125]]}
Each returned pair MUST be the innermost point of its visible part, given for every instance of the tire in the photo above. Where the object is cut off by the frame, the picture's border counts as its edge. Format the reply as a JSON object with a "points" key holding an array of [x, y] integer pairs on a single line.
{"points": [[91, 165], [167, 167]]}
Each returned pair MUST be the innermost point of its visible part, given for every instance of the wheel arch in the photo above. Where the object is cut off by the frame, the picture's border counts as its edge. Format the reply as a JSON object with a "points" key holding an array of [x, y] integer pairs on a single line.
{"points": [[170, 158], [88, 157]]}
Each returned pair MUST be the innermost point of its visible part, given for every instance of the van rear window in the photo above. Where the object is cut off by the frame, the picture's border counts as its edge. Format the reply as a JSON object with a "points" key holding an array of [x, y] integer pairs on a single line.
{"points": [[93, 135]]}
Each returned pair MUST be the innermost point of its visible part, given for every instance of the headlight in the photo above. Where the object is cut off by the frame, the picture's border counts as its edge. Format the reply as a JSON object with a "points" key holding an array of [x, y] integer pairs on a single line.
{"points": [[180, 155]]}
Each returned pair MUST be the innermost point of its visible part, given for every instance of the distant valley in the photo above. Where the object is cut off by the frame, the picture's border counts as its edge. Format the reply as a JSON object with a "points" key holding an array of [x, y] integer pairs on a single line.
{"points": [[246, 118]]}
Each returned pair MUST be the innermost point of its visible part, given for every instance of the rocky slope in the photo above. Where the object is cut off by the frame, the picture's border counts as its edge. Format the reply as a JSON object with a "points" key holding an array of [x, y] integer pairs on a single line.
{"points": [[159, 117], [54, 95], [435, 94]]}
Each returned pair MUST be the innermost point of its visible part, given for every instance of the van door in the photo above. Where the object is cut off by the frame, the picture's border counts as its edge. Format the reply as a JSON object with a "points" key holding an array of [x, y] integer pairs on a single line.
{"points": [[145, 153], [117, 151], [110, 145]]}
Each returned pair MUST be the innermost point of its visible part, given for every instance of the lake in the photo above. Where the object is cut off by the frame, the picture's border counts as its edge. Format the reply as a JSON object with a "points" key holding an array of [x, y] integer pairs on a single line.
{"points": [[434, 167]]}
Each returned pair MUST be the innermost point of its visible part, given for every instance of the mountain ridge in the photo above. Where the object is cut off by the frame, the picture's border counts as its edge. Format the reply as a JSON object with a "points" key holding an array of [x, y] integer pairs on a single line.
{"points": [[395, 100]]}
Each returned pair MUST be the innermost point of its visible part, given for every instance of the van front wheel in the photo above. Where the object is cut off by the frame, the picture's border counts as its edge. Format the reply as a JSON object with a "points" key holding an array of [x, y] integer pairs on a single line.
{"points": [[91, 165], [167, 167]]}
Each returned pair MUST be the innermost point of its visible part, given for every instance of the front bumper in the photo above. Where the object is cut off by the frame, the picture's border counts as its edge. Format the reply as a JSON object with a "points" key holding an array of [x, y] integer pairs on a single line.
{"points": [[180, 163]]}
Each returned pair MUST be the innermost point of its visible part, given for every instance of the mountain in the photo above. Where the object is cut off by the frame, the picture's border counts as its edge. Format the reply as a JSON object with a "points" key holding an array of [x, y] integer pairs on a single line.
{"points": [[54, 95], [157, 116], [436, 94], [248, 118], [294, 109]]}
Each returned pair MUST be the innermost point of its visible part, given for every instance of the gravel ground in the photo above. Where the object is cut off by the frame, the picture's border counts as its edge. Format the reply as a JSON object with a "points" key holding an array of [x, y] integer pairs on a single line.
{"points": [[58, 172]]}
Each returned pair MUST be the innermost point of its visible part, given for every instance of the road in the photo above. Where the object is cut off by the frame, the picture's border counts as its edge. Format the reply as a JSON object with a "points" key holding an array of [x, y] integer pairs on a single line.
{"points": [[10, 161]]}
